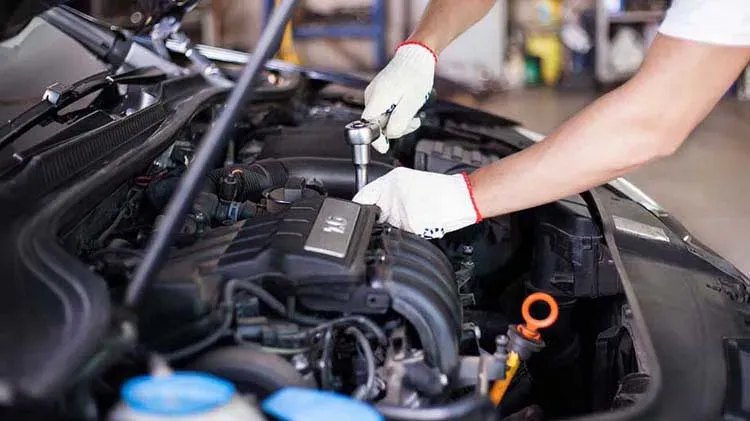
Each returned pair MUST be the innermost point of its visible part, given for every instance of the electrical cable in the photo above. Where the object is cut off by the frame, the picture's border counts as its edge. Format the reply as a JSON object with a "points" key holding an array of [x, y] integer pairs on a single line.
{"points": [[366, 391], [271, 350], [361, 320], [107, 232], [210, 146], [325, 358], [268, 299], [277, 306], [227, 321]]}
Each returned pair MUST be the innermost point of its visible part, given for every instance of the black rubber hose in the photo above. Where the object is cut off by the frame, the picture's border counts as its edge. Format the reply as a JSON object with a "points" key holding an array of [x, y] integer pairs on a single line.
{"points": [[229, 289], [212, 143], [336, 174], [268, 299], [364, 392], [471, 405], [361, 320], [252, 179], [203, 343]]}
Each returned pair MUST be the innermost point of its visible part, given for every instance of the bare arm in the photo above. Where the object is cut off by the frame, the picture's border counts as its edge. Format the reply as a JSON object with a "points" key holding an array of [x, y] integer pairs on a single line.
{"points": [[647, 118], [444, 20]]}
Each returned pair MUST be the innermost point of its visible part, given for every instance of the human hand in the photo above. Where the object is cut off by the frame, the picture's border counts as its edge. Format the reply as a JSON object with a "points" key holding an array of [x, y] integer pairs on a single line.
{"points": [[396, 94], [425, 203]]}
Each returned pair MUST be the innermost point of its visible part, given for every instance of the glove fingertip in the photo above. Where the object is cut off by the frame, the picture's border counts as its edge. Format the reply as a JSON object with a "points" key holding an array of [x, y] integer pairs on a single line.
{"points": [[415, 123], [381, 144]]}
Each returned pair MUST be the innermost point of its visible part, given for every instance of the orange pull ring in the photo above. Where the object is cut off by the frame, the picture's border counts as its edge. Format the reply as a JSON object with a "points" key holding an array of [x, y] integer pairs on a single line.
{"points": [[531, 329]]}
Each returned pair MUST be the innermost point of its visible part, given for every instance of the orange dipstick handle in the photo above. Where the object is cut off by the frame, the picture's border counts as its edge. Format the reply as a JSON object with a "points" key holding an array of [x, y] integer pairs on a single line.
{"points": [[531, 329]]}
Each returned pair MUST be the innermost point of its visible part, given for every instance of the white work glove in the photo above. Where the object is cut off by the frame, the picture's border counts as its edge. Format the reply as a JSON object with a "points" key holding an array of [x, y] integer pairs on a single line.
{"points": [[397, 93], [425, 203]]}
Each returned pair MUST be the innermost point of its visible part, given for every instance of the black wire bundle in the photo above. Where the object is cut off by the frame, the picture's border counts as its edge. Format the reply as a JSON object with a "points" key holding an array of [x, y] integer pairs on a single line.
{"points": [[365, 391]]}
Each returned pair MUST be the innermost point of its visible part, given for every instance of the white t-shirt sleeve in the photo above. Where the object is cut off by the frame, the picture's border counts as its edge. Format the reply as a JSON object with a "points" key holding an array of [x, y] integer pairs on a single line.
{"points": [[723, 22]]}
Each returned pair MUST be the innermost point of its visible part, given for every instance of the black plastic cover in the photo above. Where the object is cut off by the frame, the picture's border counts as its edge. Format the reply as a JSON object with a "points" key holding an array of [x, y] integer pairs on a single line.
{"points": [[316, 138], [570, 258], [449, 158], [383, 269]]}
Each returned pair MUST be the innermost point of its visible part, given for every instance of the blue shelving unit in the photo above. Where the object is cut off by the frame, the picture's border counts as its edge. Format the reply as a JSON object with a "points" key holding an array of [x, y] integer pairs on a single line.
{"points": [[374, 31]]}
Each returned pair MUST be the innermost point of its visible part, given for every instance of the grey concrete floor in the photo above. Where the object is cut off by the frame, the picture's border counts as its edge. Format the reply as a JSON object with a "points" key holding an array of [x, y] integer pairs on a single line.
{"points": [[706, 184]]}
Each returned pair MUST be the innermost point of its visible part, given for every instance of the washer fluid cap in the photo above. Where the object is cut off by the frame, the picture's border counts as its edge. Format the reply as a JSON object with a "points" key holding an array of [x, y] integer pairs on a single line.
{"points": [[181, 393], [296, 404]]}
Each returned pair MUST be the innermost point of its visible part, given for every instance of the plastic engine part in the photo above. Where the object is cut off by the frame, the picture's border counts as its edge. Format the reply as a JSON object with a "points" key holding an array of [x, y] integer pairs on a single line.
{"points": [[571, 260], [449, 158], [377, 270]]}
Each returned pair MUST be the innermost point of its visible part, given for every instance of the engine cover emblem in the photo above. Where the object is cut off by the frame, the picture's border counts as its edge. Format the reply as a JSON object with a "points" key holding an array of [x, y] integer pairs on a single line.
{"points": [[333, 228]]}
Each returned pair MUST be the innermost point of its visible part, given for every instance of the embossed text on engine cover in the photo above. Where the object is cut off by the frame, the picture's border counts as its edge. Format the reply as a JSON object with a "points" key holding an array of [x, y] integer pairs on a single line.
{"points": [[333, 228]]}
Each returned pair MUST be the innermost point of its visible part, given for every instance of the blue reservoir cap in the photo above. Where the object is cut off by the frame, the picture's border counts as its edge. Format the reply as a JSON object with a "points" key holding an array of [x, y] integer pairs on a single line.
{"points": [[296, 404], [181, 393]]}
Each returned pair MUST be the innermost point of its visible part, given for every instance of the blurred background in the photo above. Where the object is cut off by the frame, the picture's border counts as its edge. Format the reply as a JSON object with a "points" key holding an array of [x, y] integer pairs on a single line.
{"points": [[571, 44], [535, 61]]}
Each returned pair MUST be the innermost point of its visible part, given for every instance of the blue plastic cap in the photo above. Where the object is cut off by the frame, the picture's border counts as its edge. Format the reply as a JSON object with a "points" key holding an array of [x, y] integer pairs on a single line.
{"points": [[182, 393], [295, 404]]}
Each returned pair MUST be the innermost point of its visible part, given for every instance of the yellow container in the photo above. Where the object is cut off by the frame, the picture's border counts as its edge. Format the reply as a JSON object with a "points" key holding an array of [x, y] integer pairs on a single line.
{"points": [[548, 48]]}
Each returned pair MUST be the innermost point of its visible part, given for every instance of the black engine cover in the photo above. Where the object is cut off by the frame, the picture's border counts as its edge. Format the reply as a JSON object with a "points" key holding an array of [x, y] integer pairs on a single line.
{"points": [[331, 256]]}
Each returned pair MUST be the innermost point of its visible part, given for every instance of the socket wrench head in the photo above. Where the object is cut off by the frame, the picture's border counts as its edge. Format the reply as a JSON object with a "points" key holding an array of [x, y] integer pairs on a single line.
{"points": [[362, 132]]}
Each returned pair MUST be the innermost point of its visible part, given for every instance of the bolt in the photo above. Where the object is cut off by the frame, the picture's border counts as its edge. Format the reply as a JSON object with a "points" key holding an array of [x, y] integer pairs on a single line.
{"points": [[136, 18], [300, 362], [467, 250], [501, 341]]}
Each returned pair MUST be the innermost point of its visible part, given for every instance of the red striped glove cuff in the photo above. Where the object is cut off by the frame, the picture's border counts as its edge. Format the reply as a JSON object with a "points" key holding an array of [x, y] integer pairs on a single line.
{"points": [[434, 55], [471, 196]]}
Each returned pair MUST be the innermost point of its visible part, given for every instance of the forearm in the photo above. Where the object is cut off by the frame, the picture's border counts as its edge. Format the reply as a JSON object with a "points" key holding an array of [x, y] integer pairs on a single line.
{"points": [[647, 118], [600, 144], [444, 20]]}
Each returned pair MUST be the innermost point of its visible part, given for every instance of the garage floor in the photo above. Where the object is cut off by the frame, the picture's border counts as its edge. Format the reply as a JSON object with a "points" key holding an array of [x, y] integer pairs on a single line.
{"points": [[706, 184]]}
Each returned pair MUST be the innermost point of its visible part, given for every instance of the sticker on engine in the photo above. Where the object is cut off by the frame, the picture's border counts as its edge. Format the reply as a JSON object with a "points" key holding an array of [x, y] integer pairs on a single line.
{"points": [[333, 228], [639, 229]]}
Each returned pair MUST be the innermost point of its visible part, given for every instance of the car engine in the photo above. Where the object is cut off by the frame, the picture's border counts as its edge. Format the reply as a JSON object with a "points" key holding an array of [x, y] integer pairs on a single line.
{"points": [[278, 279]]}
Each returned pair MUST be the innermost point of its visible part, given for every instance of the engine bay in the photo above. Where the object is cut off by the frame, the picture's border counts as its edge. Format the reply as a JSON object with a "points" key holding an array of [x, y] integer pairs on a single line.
{"points": [[278, 279]]}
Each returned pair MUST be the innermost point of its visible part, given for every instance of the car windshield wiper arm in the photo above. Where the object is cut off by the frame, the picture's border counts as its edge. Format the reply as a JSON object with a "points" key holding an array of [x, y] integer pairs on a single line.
{"points": [[59, 96]]}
